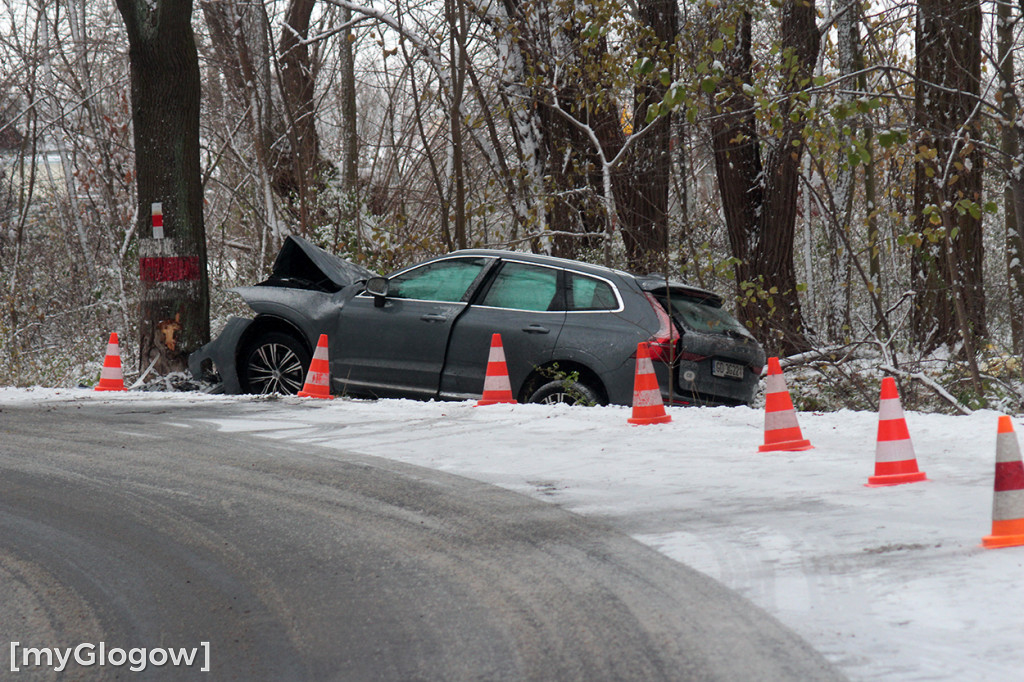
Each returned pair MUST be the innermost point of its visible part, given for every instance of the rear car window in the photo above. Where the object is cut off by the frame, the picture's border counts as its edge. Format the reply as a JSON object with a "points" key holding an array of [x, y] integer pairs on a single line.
{"points": [[521, 286], [587, 293], [702, 317], [443, 280]]}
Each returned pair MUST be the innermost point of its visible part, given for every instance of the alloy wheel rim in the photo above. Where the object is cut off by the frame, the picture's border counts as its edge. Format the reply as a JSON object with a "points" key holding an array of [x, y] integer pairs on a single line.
{"points": [[275, 368], [559, 398]]}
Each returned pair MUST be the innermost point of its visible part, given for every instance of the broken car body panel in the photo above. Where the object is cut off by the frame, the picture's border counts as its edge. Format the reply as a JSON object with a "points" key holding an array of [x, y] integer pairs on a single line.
{"points": [[305, 288]]}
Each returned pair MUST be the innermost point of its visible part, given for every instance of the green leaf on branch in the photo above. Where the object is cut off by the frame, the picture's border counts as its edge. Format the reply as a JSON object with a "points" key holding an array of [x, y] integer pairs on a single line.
{"points": [[643, 66]]}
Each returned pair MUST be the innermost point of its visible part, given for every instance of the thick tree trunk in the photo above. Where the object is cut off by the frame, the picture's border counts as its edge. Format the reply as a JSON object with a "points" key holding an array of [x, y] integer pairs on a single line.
{"points": [[737, 152], [643, 184], [759, 199], [175, 306], [947, 269], [302, 185], [836, 293], [349, 116], [456, 15], [575, 170], [1013, 182]]}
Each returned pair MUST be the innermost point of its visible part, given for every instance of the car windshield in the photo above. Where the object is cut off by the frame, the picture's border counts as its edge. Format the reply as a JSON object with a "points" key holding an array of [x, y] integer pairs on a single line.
{"points": [[702, 317]]}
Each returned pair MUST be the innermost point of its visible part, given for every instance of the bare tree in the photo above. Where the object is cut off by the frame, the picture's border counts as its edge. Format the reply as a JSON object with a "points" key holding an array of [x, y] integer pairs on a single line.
{"points": [[947, 272], [1010, 134], [300, 175], [349, 116]]}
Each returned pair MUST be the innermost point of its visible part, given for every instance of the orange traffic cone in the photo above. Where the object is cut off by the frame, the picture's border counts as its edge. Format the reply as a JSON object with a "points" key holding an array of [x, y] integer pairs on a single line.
{"points": [[895, 462], [111, 376], [781, 429], [648, 407], [1008, 500], [497, 386], [318, 378]]}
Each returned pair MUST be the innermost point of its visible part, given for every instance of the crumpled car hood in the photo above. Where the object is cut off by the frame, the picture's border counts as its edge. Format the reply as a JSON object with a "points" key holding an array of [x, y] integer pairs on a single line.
{"points": [[303, 265]]}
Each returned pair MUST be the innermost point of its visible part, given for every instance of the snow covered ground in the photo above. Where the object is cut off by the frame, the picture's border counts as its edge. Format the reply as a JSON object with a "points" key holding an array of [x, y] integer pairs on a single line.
{"points": [[888, 583]]}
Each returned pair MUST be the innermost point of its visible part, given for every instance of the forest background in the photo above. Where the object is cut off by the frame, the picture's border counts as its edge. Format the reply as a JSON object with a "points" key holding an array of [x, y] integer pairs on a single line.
{"points": [[848, 174]]}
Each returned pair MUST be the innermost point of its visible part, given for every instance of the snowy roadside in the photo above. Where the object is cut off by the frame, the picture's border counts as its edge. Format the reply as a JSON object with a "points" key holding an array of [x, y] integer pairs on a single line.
{"points": [[888, 583]]}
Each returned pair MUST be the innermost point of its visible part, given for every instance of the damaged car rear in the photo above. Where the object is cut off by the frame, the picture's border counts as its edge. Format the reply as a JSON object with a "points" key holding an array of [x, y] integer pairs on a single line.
{"points": [[569, 329]]}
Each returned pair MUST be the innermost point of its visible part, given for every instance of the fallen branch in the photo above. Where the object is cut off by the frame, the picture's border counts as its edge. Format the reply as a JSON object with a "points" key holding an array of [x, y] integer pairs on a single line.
{"points": [[831, 355], [931, 384]]}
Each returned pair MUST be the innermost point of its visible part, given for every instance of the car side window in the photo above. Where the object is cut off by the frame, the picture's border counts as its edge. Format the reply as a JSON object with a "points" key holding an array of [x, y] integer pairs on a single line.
{"points": [[521, 286], [587, 293], [443, 280]]}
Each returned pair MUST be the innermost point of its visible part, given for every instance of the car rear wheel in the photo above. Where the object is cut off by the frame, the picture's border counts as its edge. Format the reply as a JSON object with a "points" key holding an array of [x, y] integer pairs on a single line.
{"points": [[274, 362], [565, 391]]}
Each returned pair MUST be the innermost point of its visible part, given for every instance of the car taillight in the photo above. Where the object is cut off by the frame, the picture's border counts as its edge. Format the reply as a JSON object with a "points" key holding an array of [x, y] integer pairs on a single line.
{"points": [[664, 340]]}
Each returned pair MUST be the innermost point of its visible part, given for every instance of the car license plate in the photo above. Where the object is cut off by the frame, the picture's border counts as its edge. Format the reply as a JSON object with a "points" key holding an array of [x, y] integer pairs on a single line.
{"points": [[728, 370]]}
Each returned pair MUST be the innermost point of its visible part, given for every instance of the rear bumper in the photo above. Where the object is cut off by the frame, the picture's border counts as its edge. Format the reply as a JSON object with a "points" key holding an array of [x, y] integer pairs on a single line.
{"points": [[695, 383], [703, 389]]}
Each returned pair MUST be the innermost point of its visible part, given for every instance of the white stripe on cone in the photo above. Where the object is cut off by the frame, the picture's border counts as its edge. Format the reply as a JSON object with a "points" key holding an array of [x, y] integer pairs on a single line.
{"points": [[775, 383], [786, 419], [317, 378], [499, 382], [496, 354], [889, 408]]}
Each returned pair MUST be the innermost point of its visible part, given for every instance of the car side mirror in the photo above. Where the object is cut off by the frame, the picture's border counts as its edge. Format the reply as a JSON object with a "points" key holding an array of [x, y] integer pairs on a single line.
{"points": [[378, 288]]}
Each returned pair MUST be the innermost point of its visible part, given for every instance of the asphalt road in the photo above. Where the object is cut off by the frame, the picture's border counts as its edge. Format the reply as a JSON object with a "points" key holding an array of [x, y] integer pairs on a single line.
{"points": [[141, 527]]}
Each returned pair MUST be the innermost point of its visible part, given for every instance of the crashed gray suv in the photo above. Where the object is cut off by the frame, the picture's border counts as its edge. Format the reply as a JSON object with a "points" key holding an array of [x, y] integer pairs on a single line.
{"points": [[569, 329]]}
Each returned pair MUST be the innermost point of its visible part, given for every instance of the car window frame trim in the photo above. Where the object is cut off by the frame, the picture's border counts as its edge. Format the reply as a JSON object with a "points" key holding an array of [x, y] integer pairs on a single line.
{"points": [[565, 284], [558, 283], [472, 285], [615, 290], [498, 259]]}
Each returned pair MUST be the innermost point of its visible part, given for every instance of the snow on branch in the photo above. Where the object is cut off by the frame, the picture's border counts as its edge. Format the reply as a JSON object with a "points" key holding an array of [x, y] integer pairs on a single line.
{"points": [[931, 384], [394, 23]]}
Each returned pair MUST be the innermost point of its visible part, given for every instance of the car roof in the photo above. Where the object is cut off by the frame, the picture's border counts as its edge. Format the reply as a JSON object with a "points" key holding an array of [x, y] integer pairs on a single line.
{"points": [[652, 282], [541, 259]]}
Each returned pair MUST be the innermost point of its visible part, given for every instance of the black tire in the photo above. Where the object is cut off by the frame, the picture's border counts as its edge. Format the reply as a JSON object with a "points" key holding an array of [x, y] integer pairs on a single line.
{"points": [[273, 362], [565, 391]]}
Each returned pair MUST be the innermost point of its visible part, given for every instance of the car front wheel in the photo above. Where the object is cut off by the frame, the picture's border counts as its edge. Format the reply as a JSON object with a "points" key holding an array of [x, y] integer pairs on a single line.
{"points": [[274, 362], [565, 391]]}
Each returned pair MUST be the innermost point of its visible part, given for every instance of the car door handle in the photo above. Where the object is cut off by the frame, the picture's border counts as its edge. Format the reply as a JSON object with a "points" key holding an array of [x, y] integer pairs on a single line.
{"points": [[433, 317], [536, 329]]}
